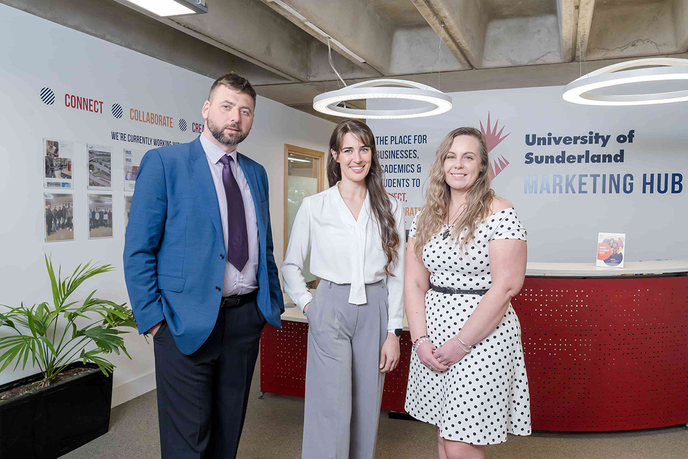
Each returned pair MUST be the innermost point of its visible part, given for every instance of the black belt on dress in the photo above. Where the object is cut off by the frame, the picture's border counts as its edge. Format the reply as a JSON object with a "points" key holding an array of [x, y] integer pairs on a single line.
{"points": [[457, 291], [234, 301]]}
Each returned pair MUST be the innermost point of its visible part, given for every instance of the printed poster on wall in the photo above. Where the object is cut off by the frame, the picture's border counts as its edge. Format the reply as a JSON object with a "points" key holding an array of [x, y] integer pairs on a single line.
{"points": [[132, 161], [59, 214], [99, 216], [57, 163], [99, 167], [572, 166]]}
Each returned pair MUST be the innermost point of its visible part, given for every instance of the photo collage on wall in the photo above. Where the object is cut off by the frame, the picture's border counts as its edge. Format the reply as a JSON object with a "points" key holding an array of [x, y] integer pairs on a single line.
{"points": [[58, 182], [58, 206]]}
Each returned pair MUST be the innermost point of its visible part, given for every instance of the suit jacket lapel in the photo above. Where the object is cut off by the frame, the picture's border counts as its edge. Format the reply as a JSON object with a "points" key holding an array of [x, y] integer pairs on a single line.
{"points": [[204, 183]]}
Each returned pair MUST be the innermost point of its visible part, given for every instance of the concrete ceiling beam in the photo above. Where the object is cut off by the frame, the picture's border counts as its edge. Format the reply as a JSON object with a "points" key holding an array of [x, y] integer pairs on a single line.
{"points": [[123, 26], [365, 37], [315, 31], [586, 8], [301, 94], [567, 13], [680, 13], [465, 38], [252, 31], [321, 70]]}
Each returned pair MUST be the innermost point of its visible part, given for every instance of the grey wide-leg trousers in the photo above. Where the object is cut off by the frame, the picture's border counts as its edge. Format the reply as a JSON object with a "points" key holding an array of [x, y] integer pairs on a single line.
{"points": [[343, 379]]}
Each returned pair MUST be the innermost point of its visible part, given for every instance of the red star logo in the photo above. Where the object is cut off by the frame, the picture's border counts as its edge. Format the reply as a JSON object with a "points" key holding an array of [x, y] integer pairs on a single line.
{"points": [[493, 139]]}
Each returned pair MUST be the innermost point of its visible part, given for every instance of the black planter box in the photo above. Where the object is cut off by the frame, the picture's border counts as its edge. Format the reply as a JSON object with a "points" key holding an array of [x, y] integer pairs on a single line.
{"points": [[57, 419]]}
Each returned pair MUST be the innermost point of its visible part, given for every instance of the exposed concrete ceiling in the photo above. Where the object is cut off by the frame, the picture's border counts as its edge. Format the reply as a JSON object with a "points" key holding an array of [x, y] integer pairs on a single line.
{"points": [[282, 45], [404, 14]]}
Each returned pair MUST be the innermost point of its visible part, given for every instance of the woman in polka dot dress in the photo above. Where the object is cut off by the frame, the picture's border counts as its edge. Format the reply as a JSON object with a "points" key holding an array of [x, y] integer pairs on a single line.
{"points": [[466, 259]]}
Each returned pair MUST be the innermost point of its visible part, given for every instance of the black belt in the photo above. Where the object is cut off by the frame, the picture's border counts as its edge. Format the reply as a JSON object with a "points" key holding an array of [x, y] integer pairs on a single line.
{"points": [[234, 301], [457, 291]]}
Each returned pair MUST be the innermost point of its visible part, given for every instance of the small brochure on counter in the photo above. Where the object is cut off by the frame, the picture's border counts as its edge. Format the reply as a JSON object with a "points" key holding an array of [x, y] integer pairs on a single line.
{"points": [[611, 248]]}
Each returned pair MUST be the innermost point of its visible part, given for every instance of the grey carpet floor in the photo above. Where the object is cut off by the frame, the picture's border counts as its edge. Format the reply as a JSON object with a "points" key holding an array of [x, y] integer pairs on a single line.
{"points": [[273, 430]]}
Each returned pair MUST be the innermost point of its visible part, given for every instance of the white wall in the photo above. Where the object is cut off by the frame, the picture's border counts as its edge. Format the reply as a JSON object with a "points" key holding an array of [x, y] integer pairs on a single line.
{"points": [[75, 63], [563, 227]]}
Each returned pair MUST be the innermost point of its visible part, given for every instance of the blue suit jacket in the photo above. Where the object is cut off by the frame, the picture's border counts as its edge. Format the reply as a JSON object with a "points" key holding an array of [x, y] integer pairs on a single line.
{"points": [[174, 253]]}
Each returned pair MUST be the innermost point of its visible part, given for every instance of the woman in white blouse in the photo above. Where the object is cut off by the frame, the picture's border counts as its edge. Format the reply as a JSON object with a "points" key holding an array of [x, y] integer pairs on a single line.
{"points": [[355, 234]]}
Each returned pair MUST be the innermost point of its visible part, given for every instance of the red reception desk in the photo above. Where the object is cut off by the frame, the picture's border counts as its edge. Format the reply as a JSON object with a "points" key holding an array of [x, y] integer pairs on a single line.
{"points": [[605, 349]]}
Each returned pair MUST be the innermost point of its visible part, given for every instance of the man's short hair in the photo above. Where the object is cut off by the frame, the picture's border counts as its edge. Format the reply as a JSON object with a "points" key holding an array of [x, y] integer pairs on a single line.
{"points": [[235, 82]]}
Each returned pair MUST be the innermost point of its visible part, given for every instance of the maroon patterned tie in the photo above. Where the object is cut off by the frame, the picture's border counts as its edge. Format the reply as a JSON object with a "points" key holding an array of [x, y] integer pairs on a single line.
{"points": [[237, 236]]}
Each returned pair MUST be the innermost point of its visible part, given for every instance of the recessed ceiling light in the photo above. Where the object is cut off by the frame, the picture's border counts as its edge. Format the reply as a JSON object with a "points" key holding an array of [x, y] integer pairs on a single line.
{"points": [[165, 8]]}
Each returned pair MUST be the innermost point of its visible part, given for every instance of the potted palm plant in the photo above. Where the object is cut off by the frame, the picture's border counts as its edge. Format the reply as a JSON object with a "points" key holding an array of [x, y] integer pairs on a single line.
{"points": [[67, 404]]}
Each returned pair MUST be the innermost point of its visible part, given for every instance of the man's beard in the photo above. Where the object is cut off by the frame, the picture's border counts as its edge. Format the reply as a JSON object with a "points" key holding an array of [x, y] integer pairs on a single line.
{"points": [[229, 140]]}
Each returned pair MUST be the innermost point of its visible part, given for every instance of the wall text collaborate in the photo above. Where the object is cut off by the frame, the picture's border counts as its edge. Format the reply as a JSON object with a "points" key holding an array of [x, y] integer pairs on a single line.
{"points": [[151, 118]]}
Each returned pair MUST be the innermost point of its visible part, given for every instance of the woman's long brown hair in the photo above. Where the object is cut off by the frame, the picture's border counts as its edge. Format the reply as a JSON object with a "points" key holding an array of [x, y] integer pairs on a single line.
{"points": [[380, 202], [438, 197]]}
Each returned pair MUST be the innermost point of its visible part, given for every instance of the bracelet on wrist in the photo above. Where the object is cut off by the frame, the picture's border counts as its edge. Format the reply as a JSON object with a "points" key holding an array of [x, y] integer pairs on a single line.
{"points": [[420, 341], [463, 346]]}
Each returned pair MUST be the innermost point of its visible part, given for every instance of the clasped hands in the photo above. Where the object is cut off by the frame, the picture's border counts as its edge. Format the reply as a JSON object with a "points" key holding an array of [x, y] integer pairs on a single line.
{"points": [[440, 359]]}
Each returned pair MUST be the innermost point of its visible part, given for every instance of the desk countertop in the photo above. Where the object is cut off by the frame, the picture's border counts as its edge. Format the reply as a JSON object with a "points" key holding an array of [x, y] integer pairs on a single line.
{"points": [[536, 269]]}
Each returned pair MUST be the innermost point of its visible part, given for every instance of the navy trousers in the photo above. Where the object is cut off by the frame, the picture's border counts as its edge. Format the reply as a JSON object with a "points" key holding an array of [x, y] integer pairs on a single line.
{"points": [[202, 397]]}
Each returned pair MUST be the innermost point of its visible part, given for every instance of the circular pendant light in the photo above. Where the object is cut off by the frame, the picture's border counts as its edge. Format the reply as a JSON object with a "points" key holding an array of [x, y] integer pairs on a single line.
{"points": [[662, 69], [436, 102]]}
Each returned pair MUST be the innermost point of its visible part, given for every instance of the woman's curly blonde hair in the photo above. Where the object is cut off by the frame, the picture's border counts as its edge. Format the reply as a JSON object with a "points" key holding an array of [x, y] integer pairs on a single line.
{"points": [[438, 196]]}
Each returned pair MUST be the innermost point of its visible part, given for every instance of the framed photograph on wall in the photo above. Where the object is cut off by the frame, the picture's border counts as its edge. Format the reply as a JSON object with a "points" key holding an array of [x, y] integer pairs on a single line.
{"points": [[99, 167], [99, 216], [59, 217], [57, 163], [132, 161]]}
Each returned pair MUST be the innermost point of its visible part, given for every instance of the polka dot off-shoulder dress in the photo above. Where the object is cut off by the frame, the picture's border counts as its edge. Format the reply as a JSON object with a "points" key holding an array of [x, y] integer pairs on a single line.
{"points": [[485, 395]]}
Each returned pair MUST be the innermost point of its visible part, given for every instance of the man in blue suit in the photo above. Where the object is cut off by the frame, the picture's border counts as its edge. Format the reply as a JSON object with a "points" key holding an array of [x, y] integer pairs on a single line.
{"points": [[201, 275]]}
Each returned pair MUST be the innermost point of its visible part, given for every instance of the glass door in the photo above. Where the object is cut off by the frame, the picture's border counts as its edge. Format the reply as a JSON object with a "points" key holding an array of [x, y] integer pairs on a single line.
{"points": [[305, 176]]}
